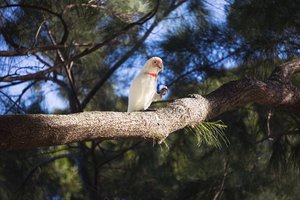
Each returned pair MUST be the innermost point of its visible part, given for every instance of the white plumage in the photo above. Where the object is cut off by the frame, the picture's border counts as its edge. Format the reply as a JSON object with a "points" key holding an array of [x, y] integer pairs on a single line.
{"points": [[143, 89]]}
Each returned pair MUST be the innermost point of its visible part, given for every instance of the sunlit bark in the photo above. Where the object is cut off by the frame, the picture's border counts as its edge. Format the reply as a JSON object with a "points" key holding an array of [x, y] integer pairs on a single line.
{"points": [[26, 131]]}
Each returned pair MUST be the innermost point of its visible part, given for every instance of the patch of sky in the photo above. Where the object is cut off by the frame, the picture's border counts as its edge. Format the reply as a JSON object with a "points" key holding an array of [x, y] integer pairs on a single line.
{"points": [[181, 16], [10, 13], [124, 75], [50, 100], [217, 10], [282, 52], [27, 65]]}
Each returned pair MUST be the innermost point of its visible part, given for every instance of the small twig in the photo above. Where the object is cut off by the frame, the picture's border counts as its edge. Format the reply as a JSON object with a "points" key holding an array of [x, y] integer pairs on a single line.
{"points": [[268, 123], [219, 193], [119, 154], [34, 7], [14, 103], [45, 162], [41, 60], [27, 77], [68, 69], [26, 89], [109, 73], [11, 84], [110, 38], [278, 135], [201, 67], [37, 34], [54, 43], [87, 5]]}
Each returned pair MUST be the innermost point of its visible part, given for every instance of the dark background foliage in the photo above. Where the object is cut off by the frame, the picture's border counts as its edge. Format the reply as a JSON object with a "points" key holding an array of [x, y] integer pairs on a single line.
{"points": [[200, 52]]}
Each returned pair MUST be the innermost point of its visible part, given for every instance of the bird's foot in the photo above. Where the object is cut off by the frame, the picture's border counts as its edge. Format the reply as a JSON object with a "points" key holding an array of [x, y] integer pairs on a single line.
{"points": [[196, 96], [163, 90]]}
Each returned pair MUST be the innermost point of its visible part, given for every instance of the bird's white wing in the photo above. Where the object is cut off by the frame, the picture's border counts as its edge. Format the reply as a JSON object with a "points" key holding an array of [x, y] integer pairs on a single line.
{"points": [[150, 91], [141, 93], [135, 95]]}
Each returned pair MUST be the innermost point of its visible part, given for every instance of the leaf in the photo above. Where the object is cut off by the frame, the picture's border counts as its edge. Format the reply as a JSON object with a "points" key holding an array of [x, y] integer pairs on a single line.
{"points": [[210, 133]]}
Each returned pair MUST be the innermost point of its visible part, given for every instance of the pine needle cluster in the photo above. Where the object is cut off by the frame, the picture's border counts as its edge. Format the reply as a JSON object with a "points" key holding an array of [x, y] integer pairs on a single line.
{"points": [[210, 133]]}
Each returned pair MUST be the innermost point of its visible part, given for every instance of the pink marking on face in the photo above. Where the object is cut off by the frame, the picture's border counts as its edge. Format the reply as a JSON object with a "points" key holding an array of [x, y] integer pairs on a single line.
{"points": [[158, 61]]}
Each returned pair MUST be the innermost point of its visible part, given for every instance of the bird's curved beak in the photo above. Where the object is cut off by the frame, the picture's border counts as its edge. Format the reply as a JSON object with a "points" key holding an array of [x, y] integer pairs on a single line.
{"points": [[160, 66]]}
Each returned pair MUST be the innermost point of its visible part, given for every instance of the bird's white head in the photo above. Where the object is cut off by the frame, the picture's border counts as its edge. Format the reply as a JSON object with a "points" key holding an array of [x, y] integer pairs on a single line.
{"points": [[153, 65]]}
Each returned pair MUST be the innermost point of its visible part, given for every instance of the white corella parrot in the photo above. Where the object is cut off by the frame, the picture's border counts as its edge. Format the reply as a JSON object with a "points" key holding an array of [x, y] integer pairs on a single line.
{"points": [[143, 89]]}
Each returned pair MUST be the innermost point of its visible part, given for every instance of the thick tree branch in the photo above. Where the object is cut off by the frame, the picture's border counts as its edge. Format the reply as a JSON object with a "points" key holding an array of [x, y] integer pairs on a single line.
{"points": [[277, 91], [28, 76], [24, 131], [19, 52]]}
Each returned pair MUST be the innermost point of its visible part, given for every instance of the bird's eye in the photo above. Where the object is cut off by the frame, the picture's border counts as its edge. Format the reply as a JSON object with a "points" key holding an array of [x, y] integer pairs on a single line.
{"points": [[154, 62]]}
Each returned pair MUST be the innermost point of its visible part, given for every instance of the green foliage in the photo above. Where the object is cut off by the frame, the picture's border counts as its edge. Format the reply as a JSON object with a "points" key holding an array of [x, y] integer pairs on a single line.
{"points": [[269, 27], [210, 133], [257, 36], [128, 10]]}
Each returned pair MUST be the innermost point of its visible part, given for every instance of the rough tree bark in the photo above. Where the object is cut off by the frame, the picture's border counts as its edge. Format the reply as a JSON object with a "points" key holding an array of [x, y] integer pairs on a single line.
{"points": [[27, 131]]}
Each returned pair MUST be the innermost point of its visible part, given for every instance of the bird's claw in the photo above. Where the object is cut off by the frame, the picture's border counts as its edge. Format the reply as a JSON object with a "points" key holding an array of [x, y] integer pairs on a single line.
{"points": [[164, 90], [194, 96]]}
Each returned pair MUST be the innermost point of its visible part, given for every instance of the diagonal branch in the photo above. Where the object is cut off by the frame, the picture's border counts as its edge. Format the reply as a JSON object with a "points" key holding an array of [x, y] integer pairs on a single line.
{"points": [[43, 163], [90, 49], [17, 102], [116, 66], [115, 35], [22, 51], [68, 69], [277, 91], [61, 46], [14, 103], [28, 76], [125, 57], [24, 131], [59, 16], [205, 68]]}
